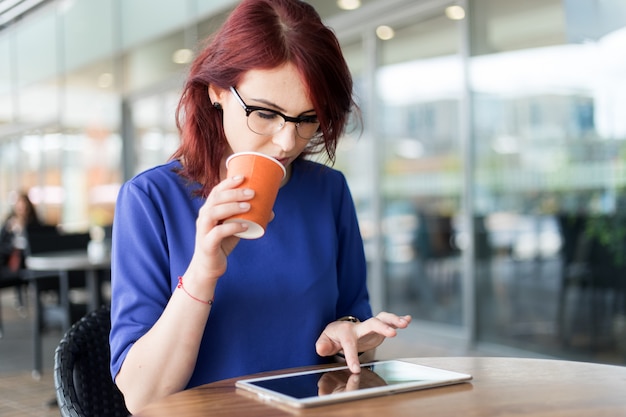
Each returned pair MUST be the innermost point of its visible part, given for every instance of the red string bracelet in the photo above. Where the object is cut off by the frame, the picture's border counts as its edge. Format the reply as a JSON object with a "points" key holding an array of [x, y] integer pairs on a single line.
{"points": [[180, 285]]}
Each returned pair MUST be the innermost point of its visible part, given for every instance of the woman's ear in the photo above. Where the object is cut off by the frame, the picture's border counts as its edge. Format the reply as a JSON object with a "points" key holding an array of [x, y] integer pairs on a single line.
{"points": [[215, 94]]}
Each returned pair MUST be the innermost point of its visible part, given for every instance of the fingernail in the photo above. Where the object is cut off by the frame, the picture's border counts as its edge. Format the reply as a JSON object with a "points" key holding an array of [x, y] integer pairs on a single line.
{"points": [[237, 177], [244, 205], [248, 191]]}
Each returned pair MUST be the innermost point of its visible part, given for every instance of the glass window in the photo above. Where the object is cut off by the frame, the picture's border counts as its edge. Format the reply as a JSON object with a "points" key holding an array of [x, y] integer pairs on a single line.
{"points": [[550, 183], [38, 103], [420, 88], [94, 18], [91, 120], [153, 63], [143, 20], [208, 26], [156, 135], [356, 157], [6, 81], [207, 7], [9, 172], [37, 67], [36, 39], [40, 152], [92, 97]]}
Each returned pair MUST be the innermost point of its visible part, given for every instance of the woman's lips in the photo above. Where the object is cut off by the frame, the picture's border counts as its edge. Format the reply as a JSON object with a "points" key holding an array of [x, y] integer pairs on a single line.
{"points": [[284, 161]]}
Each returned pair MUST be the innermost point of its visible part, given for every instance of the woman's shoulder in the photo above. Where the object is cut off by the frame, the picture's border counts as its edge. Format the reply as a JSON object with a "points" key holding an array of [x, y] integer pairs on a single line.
{"points": [[164, 177], [167, 170], [314, 179], [312, 170]]}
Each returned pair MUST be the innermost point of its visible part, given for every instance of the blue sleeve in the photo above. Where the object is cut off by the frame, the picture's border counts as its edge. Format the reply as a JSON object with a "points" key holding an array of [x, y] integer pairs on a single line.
{"points": [[351, 264], [140, 282]]}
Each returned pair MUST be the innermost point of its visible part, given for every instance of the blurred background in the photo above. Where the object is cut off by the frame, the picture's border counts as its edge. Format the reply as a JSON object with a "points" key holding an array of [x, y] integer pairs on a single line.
{"points": [[489, 176]]}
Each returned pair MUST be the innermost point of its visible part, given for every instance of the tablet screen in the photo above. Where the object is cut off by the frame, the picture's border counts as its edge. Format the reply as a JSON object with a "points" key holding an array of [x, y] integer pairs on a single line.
{"points": [[321, 386]]}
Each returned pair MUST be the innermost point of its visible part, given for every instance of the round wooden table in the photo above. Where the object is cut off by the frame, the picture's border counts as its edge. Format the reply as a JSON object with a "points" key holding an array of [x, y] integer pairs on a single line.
{"points": [[501, 387]]}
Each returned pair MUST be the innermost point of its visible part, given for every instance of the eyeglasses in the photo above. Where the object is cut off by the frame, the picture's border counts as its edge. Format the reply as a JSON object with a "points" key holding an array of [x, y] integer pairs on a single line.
{"points": [[264, 121]]}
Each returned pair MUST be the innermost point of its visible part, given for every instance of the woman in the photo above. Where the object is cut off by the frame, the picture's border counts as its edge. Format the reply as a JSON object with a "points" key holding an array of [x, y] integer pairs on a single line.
{"points": [[14, 233], [14, 242], [188, 311]]}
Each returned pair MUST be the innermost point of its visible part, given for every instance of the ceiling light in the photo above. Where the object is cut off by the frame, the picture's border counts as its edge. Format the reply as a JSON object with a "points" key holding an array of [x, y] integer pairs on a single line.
{"points": [[105, 80], [348, 4], [455, 12], [385, 32], [182, 56]]}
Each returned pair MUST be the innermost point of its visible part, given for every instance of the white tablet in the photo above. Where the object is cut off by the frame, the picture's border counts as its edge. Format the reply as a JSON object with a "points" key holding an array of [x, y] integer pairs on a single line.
{"points": [[325, 386]]}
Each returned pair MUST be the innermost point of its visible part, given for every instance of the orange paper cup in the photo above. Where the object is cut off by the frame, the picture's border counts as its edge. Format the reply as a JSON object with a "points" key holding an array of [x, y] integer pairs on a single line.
{"points": [[263, 174]]}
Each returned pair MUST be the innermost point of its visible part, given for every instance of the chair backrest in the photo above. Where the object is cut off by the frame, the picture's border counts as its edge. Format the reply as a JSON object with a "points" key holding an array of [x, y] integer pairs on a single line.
{"points": [[82, 378], [45, 238]]}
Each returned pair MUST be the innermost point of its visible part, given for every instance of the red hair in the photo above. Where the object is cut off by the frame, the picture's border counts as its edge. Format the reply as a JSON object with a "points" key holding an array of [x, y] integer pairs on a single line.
{"points": [[262, 34]]}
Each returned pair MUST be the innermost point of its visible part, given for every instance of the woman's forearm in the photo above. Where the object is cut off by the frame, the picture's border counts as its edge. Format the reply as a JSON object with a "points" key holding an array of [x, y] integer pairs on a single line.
{"points": [[161, 362]]}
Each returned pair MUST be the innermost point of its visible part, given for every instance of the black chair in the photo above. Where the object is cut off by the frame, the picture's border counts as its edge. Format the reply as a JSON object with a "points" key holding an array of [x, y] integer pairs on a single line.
{"points": [[42, 240], [82, 379], [592, 269]]}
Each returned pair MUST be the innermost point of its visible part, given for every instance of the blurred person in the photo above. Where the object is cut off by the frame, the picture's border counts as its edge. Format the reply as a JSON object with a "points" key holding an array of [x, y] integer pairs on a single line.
{"points": [[14, 238], [14, 233], [191, 302]]}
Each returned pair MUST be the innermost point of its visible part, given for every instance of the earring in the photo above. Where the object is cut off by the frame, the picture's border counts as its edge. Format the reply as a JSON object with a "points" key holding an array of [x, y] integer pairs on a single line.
{"points": [[218, 106]]}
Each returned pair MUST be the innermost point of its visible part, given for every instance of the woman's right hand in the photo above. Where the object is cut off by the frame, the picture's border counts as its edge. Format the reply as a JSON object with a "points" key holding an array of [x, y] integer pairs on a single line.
{"points": [[215, 240]]}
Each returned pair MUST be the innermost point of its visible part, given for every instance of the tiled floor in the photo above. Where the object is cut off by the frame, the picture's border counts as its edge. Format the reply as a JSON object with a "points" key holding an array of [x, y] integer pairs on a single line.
{"points": [[20, 394]]}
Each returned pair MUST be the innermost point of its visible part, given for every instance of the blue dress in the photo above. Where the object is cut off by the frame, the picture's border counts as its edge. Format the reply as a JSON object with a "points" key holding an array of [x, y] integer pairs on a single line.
{"points": [[279, 292]]}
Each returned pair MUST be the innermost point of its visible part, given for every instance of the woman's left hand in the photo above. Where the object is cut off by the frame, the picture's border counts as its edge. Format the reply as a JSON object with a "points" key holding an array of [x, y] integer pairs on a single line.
{"points": [[352, 338]]}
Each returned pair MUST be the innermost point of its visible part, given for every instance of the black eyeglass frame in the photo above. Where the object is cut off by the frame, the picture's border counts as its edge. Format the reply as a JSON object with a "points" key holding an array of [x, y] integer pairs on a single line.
{"points": [[294, 120]]}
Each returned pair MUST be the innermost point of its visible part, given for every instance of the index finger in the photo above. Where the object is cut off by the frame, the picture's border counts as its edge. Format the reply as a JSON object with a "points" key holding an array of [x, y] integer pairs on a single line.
{"points": [[351, 356]]}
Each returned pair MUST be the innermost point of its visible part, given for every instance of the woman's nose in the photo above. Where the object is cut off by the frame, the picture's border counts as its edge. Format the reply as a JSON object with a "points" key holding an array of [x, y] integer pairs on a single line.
{"points": [[286, 137]]}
